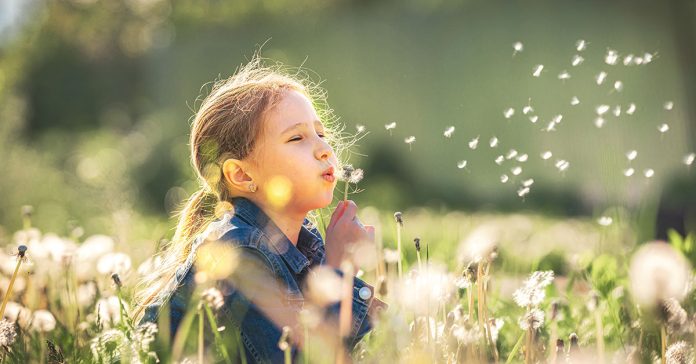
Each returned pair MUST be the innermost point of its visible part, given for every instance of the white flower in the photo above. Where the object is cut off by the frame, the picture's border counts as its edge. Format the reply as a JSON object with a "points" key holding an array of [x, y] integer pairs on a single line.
{"points": [[533, 290], [114, 263], [533, 319], [479, 244], [14, 312], [679, 352], [43, 321], [86, 293]]}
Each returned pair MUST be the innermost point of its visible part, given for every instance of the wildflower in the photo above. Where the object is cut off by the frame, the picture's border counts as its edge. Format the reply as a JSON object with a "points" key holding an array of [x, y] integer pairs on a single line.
{"points": [[546, 155], [680, 353], [213, 298], [668, 105], [648, 173], [628, 172], [663, 128], [581, 45], [533, 291], [689, 159], [461, 164], [43, 321], [600, 77], [618, 86], [564, 76], [448, 132], [533, 319], [574, 101], [474, 143], [605, 220], [518, 47], [504, 178], [631, 154], [658, 272], [8, 334], [349, 175], [631, 109], [410, 140], [493, 142], [537, 70]]}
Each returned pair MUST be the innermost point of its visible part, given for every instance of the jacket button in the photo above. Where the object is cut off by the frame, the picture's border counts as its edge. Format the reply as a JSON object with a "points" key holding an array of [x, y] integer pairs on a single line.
{"points": [[365, 293]]}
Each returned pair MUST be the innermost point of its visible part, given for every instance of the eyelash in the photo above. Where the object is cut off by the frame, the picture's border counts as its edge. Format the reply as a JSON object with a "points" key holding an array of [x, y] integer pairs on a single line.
{"points": [[300, 138]]}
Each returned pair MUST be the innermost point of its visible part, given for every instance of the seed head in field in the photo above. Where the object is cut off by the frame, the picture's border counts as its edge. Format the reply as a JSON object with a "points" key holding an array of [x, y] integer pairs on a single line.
{"points": [[631, 109], [663, 128], [8, 334], [649, 172], [546, 155], [479, 244], [461, 164], [533, 319], [669, 105], [473, 143], [493, 142], [658, 272], [631, 155], [599, 79], [114, 263], [410, 140], [533, 290], [509, 112], [574, 101], [448, 132], [391, 255], [679, 352], [537, 70], [577, 60], [517, 47], [689, 159], [399, 218], [43, 321], [628, 172], [674, 317], [581, 45]]}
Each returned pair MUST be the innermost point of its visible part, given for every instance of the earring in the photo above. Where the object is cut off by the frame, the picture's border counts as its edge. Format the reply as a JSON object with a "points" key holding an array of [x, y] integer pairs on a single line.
{"points": [[252, 187]]}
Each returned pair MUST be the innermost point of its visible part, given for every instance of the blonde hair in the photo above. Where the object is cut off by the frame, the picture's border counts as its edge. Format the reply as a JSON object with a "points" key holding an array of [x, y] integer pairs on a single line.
{"points": [[228, 125]]}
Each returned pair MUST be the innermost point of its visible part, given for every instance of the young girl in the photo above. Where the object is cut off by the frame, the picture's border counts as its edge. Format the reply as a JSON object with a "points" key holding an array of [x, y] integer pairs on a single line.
{"points": [[265, 161]]}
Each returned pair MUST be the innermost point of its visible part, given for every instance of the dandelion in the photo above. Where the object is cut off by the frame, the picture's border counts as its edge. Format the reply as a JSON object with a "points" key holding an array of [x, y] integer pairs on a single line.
{"points": [[390, 126], [517, 47], [533, 119], [599, 79], [8, 334], [668, 105], [504, 178], [114, 263], [416, 242], [577, 60], [546, 155], [581, 45], [479, 244], [349, 175], [516, 170], [461, 164], [43, 321], [564, 75], [473, 143], [537, 70], [675, 318], [599, 122], [532, 319], [509, 112], [617, 111], [574, 101], [448, 132], [493, 142], [628, 172], [213, 298], [663, 128], [532, 292], [360, 128], [523, 191], [21, 256], [679, 353], [511, 154], [499, 160], [631, 109], [689, 159], [658, 272], [618, 86], [410, 140], [631, 154], [605, 220], [522, 158], [648, 173], [391, 256]]}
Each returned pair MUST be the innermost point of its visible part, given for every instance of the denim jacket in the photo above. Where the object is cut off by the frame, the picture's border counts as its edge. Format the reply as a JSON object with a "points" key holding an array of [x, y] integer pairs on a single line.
{"points": [[268, 288]]}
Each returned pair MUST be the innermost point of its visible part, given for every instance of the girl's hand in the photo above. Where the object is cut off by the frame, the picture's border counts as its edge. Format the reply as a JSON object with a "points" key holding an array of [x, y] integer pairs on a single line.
{"points": [[345, 230]]}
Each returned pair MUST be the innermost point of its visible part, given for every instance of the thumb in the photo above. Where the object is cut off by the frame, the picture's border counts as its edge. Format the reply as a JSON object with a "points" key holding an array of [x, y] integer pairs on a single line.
{"points": [[338, 212]]}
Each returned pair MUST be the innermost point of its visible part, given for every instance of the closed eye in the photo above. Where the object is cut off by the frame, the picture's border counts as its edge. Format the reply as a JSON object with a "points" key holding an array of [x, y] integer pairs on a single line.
{"points": [[297, 138]]}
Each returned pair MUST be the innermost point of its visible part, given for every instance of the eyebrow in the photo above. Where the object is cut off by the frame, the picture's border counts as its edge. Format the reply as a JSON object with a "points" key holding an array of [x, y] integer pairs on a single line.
{"points": [[298, 125]]}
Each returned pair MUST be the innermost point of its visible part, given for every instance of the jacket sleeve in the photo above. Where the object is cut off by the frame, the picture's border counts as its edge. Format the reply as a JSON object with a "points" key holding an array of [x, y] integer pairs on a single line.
{"points": [[365, 307]]}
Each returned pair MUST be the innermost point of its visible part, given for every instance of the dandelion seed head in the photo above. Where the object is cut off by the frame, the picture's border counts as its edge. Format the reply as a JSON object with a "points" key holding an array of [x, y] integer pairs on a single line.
{"points": [[399, 218], [581, 45], [355, 176], [537, 70], [516, 170], [631, 154], [605, 220], [663, 128], [499, 160], [674, 316], [628, 172], [504, 178], [599, 79], [479, 244], [533, 290], [473, 143], [679, 352], [689, 159], [631, 109], [114, 263], [564, 75], [577, 60], [546, 155], [8, 334], [517, 47], [574, 101], [657, 272], [509, 112], [461, 164], [533, 319], [493, 142], [391, 255], [448, 132], [43, 321]]}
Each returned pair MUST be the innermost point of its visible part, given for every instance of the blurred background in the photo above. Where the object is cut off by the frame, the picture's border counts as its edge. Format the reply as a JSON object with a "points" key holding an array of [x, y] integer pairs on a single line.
{"points": [[96, 100]]}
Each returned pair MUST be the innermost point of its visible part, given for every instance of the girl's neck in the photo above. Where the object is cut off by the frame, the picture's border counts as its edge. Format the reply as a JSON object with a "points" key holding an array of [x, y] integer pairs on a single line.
{"points": [[290, 224]]}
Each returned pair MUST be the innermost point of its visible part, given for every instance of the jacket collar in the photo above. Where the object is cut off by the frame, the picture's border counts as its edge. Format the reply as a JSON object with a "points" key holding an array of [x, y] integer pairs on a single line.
{"points": [[309, 250]]}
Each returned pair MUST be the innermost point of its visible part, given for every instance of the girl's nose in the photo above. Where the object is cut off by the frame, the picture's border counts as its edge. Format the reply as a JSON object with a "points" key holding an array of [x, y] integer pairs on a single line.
{"points": [[324, 151]]}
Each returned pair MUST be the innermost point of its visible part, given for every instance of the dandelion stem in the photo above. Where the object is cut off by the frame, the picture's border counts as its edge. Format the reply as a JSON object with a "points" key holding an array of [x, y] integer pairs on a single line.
{"points": [[21, 252], [663, 340], [218, 339], [515, 348], [398, 249]]}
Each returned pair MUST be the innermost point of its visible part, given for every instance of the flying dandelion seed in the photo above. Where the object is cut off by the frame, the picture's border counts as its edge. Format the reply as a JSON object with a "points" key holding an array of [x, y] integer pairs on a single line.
{"points": [[473, 143], [499, 160], [574, 101], [522, 158], [523, 191], [647, 58], [605, 220], [617, 110], [509, 112], [648, 173], [602, 109], [533, 119], [557, 119], [618, 86], [577, 60], [663, 128], [528, 182], [516, 170], [461, 164], [631, 154], [562, 165], [628, 59], [527, 109], [449, 131], [599, 122], [669, 105], [390, 126], [537, 70], [551, 126], [410, 140], [629, 172], [504, 178], [689, 159], [493, 142], [631, 109], [517, 48], [360, 128], [564, 75], [581, 45], [600, 78], [638, 61], [546, 155], [611, 57], [511, 154]]}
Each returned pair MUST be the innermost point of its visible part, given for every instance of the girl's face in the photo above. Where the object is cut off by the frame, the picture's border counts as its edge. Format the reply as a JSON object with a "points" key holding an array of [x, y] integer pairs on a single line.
{"points": [[292, 157]]}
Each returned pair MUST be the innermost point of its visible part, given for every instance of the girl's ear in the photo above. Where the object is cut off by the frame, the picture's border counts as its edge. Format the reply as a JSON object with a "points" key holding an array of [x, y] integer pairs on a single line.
{"points": [[234, 172]]}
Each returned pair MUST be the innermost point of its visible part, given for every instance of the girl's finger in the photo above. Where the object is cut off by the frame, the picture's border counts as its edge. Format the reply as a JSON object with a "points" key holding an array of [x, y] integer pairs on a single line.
{"points": [[350, 211], [338, 212]]}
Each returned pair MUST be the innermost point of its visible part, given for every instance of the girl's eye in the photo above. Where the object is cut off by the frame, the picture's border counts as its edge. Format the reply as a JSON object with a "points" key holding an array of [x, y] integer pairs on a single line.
{"points": [[295, 139]]}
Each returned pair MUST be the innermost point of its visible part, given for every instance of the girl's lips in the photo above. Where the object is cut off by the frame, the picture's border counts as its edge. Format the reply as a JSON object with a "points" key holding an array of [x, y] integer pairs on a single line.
{"points": [[329, 177]]}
